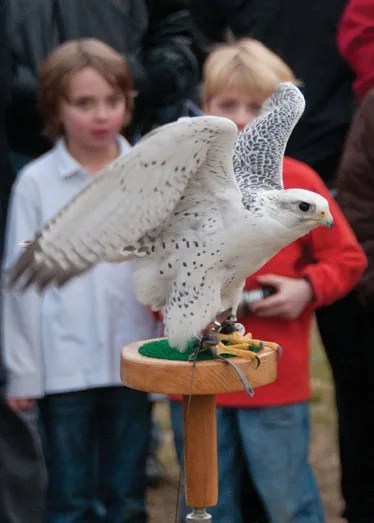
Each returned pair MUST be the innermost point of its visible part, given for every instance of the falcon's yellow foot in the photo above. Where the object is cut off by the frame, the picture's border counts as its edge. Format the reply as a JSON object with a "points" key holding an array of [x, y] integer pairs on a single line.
{"points": [[238, 345], [241, 350], [244, 343], [211, 342]]}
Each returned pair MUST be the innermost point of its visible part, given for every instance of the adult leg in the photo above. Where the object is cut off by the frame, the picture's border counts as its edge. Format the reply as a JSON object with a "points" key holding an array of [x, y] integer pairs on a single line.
{"points": [[275, 441], [22, 471], [123, 417], [347, 332], [69, 427]]}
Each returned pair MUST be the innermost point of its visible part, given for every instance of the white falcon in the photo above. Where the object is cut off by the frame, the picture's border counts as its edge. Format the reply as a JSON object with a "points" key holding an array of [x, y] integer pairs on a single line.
{"points": [[198, 208]]}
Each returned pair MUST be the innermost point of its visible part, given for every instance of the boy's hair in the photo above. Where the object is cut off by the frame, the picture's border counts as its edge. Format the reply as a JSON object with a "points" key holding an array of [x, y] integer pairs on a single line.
{"points": [[247, 61], [71, 57]]}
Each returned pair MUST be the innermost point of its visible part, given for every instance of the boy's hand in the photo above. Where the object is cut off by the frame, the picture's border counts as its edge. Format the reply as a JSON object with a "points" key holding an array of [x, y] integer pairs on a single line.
{"points": [[20, 404], [291, 297]]}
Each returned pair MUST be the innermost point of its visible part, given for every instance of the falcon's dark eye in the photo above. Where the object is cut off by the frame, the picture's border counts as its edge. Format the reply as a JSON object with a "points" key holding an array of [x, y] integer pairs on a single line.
{"points": [[304, 206]]}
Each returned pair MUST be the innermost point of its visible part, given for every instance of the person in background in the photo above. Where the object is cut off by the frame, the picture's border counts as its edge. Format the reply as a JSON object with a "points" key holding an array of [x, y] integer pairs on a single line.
{"points": [[268, 435], [355, 38], [354, 365], [62, 347], [22, 471], [6, 174], [303, 34], [153, 36]]}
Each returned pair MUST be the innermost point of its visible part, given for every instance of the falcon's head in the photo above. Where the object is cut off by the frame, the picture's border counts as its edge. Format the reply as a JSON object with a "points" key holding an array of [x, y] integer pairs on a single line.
{"points": [[298, 209]]}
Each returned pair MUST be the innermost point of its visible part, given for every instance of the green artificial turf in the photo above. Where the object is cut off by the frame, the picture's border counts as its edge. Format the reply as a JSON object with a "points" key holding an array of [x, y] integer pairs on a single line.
{"points": [[162, 350]]}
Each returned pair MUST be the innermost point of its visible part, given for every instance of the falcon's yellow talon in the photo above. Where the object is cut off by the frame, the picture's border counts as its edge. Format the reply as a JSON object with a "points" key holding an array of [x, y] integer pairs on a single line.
{"points": [[240, 350], [269, 344], [243, 343]]}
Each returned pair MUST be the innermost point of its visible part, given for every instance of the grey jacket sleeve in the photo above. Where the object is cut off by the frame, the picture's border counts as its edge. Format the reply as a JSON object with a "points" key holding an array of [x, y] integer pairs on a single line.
{"points": [[21, 311]]}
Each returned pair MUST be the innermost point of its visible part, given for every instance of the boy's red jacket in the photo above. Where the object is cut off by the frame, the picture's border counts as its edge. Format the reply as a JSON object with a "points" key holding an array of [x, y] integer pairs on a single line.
{"points": [[333, 262]]}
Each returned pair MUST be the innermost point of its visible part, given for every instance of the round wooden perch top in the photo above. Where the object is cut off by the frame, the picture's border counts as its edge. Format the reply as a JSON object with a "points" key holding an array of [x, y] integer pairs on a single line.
{"points": [[198, 386], [209, 377]]}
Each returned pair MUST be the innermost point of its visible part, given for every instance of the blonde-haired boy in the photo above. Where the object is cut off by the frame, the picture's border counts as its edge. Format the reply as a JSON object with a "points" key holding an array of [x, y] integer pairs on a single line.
{"points": [[238, 77], [267, 436], [246, 66]]}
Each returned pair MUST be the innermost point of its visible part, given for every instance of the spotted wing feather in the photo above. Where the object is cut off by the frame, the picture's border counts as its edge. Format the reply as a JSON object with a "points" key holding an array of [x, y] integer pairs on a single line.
{"points": [[130, 197], [260, 147]]}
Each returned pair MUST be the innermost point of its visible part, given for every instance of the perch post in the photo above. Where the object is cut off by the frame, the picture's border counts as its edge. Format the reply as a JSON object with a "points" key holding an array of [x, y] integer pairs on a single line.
{"points": [[198, 391]]}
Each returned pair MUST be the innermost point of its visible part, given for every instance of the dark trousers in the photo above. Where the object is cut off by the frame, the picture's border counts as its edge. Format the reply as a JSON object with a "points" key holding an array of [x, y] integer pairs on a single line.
{"points": [[22, 473], [347, 332], [96, 448]]}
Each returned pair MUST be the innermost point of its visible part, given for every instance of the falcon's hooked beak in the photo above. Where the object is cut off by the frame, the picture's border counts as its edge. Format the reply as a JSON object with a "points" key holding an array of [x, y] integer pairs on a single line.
{"points": [[325, 218]]}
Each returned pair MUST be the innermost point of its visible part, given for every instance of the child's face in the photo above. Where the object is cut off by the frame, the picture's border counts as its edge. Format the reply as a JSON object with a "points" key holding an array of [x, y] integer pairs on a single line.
{"points": [[235, 103], [93, 111]]}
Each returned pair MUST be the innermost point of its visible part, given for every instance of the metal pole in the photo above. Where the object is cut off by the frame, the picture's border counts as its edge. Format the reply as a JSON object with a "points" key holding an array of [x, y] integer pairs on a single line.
{"points": [[199, 514]]}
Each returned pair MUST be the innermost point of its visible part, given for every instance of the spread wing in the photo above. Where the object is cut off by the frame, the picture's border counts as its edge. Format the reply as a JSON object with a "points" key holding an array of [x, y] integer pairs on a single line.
{"points": [[260, 147], [132, 196]]}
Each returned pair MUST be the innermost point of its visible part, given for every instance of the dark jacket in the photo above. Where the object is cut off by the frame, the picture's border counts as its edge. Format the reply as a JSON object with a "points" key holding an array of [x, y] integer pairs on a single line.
{"points": [[154, 35], [356, 189], [302, 33], [6, 177]]}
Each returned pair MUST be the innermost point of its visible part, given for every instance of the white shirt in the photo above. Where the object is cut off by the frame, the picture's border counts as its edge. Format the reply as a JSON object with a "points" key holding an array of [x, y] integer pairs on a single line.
{"points": [[71, 338]]}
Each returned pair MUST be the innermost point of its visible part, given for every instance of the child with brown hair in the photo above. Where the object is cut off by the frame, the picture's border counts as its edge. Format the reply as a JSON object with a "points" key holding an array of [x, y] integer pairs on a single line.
{"points": [[267, 436], [63, 347]]}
